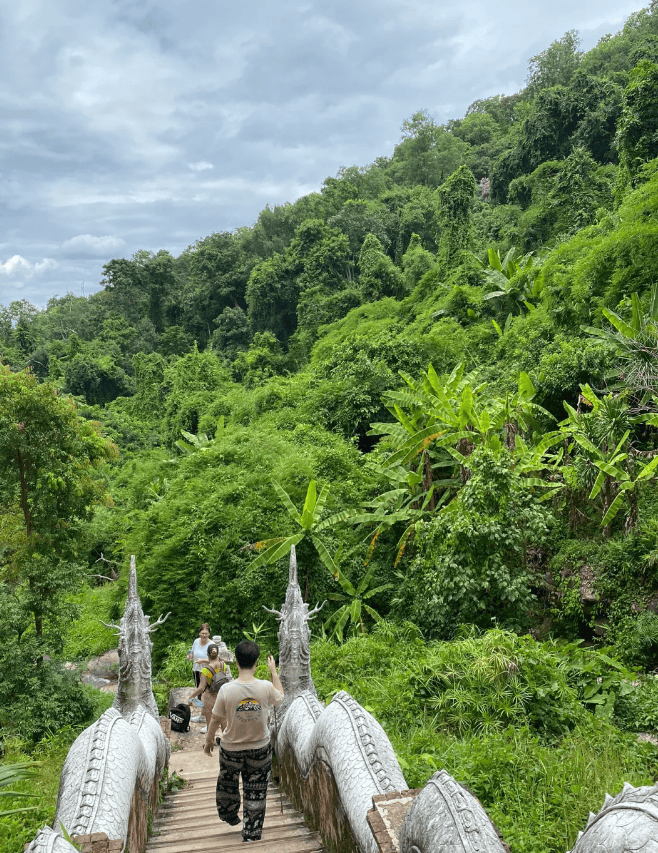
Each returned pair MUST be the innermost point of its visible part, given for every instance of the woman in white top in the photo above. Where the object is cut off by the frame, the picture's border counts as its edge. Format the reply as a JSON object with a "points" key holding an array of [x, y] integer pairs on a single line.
{"points": [[199, 652]]}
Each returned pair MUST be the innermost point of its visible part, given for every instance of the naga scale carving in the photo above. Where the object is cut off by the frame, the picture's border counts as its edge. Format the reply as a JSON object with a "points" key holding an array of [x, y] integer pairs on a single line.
{"points": [[627, 823]]}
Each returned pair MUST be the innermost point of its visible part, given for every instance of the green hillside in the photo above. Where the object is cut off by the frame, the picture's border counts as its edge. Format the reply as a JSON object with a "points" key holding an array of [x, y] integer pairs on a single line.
{"points": [[457, 347]]}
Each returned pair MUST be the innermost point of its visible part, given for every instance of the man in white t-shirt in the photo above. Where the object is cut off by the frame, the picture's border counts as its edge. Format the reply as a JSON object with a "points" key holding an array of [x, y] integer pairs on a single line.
{"points": [[242, 708]]}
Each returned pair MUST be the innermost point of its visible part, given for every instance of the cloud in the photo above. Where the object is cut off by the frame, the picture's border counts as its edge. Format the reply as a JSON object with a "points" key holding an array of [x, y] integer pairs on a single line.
{"points": [[18, 266], [14, 265], [153, 125], [86, 245]]}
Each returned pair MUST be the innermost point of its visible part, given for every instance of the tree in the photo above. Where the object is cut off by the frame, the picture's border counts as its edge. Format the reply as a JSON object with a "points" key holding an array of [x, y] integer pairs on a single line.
{"points": [[219, 272], [472, 564], [126, 286], [428, 152], [637, 130], [272, 294], [455, 203], [416, 261], [378, 275], [357, 219], [47, 459], [556, 65], [232, 334], [193, 383]]}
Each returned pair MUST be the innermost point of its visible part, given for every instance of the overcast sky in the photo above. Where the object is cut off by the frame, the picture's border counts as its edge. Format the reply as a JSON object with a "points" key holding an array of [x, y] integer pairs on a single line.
{"points": [[131, 125]]}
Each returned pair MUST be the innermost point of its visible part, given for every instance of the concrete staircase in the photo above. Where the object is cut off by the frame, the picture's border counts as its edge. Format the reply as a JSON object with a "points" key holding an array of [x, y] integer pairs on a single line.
{"points": [[187, 822]]}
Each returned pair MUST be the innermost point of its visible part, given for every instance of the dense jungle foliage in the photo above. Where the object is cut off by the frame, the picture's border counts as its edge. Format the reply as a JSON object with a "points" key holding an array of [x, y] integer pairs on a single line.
{"points": [[437, 378]]}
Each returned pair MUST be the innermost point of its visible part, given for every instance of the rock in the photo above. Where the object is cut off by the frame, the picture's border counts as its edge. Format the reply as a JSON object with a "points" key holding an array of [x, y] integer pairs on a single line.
{"points": [[178, 695], [106, 665]]}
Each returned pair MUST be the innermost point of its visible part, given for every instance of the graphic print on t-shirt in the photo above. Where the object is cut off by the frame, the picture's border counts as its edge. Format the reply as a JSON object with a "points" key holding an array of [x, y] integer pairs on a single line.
{"points": [[248, 711]]}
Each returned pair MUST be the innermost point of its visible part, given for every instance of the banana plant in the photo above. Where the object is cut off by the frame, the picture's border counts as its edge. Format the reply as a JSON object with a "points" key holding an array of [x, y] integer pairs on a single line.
{"points": [[201, 442], [624, 483], [503, 273], [354, 603], [10, 774], [438, 422], [435, 411], [596, 433], [406, 503], [309, 522], [635, 342], [444, 411]]}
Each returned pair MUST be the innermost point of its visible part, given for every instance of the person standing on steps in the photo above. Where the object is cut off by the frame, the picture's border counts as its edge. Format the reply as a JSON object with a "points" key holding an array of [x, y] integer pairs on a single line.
{"points": [[212, 675], [199, 654], [242, 708]]}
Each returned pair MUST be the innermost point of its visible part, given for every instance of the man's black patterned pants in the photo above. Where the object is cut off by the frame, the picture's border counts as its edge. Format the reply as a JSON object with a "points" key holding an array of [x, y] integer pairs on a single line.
{"points": [[255, 766]]}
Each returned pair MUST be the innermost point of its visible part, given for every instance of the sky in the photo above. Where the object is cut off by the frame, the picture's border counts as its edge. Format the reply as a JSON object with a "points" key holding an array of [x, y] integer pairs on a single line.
{"points": [[130, 125]]}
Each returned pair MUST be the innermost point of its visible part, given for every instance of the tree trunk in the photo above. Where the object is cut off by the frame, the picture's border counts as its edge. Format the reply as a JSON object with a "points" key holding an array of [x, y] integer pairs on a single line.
{"points": [[427, 478]]}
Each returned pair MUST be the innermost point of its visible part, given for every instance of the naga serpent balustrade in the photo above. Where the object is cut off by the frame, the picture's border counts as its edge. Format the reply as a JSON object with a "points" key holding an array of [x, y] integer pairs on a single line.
{"points": [[331, 760]]}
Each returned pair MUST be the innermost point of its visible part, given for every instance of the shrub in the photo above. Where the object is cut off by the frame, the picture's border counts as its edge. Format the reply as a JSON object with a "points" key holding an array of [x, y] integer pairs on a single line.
{"points": [[87, 636], [471, 562], [38, 699]]}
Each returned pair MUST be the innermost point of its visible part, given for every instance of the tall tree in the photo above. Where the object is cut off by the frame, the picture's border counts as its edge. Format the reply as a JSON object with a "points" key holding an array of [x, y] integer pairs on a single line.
{"points": [[47, 459], [556, 65], [455, 203], [637, 133], [428, 152], [219, 271]]}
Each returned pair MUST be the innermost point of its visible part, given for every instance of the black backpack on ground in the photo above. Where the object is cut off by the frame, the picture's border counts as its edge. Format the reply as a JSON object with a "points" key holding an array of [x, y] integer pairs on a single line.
{"points": [[180, 718]]}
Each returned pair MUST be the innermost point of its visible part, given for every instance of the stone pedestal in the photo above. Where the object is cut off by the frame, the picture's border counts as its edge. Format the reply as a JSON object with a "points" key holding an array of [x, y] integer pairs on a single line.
{"points": [[386, 816], [98, 842]]}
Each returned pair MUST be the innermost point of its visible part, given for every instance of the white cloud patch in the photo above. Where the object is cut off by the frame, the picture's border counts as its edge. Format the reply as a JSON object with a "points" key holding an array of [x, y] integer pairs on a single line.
{"points": [[14, 265], [18, 266], [86, 245], [201, 166]]}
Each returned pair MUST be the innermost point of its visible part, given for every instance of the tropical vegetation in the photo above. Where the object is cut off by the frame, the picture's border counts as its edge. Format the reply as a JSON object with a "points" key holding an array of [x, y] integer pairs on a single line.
{"points": [[436, 378]]}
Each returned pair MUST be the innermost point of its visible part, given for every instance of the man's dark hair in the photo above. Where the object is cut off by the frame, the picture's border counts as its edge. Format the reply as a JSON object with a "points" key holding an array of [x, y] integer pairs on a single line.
{"points": [[247, 653]]}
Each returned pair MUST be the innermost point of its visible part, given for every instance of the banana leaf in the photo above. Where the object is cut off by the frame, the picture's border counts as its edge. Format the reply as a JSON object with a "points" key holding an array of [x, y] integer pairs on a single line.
{"points": [[285, 497]]}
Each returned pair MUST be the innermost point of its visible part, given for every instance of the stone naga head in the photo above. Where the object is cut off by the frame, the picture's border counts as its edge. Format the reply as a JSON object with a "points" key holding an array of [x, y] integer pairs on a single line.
{"points": [[295, 638], [135, 646]]}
